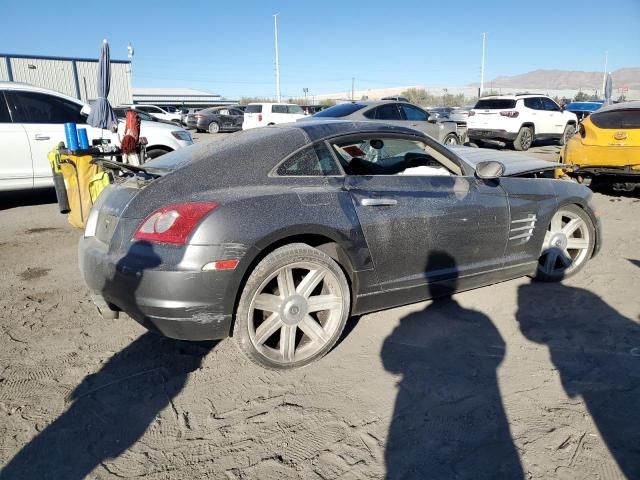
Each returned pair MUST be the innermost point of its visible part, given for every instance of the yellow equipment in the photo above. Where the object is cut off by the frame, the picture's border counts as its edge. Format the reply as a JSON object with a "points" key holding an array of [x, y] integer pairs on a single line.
{"points": [[83, 183]]}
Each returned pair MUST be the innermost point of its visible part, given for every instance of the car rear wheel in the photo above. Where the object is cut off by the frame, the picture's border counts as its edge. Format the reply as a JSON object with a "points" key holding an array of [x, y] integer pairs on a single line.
{"points": [[524, 139], [214, 127], [293, 308], [569, 131], [568, 244], [451, 139]]}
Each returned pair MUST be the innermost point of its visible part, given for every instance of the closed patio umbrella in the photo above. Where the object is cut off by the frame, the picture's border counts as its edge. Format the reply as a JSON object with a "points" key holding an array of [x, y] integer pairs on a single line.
{"points": [[102, 115]]}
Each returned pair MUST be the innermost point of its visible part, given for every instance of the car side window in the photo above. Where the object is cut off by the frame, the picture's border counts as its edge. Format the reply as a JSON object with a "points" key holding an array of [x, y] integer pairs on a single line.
{"points": [[35, 107], [279, 109], [5, 117], [388, 112], [550, 105], [414, 113], [533, 103], [313, 161]]}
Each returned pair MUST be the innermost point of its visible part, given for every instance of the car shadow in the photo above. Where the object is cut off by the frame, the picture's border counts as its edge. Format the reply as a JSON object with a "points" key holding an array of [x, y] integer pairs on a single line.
{"points": [[42, 196], [448, 420], [596, 351], [111, 409]]}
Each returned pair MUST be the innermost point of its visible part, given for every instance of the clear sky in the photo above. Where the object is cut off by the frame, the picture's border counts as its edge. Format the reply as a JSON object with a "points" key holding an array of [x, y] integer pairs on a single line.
{"points": [[226, 47]]}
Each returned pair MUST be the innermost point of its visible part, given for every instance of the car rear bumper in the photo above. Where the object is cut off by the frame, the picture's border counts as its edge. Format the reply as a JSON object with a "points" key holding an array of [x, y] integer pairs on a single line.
{"points": [[490, 134], [186, 305]]}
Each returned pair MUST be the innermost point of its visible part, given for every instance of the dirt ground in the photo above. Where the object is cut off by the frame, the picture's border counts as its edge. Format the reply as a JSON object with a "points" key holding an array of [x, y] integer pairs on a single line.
{"points": [[515, 380]]}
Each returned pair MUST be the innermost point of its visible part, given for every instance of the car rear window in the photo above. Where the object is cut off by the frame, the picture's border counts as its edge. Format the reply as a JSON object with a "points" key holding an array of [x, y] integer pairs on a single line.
{"points": [[253, 109], [341, 110], [495, 104], [617, 119]]}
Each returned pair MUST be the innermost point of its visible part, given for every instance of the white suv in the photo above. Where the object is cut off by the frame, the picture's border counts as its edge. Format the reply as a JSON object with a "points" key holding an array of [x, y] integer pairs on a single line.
{"points": [[159, 113], [32, 123], [261, 114], [519, 120]]}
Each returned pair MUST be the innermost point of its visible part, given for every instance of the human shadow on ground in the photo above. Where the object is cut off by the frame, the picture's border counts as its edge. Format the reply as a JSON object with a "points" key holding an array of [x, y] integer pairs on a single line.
{"points": [[449, 421], [111, 409], [596, 351]]}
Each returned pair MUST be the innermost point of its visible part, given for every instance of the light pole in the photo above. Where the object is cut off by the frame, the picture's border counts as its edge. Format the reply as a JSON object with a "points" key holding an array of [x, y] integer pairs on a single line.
{"points": [[305, 91], [482, 66], [275, 24]]}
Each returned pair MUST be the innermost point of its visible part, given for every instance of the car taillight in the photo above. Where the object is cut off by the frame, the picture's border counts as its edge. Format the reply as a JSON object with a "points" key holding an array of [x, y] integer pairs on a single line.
{"points": [[472, 113], [510, 113], [259, 117], [173, 223]]}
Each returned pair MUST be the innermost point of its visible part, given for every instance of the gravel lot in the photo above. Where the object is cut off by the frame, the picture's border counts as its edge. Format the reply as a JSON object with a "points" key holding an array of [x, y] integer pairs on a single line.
{"points": [[509, 381]]}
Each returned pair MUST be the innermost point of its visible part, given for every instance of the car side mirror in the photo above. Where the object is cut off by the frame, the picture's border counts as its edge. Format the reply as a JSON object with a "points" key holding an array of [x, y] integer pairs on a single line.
{"points": [[489, 170], [432, 118]]}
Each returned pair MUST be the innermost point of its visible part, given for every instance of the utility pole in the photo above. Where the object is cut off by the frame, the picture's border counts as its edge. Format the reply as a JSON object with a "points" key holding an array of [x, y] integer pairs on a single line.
{"points": [[353, 79], [484, 35], [275, 23], [305, 91], [604, 74]]}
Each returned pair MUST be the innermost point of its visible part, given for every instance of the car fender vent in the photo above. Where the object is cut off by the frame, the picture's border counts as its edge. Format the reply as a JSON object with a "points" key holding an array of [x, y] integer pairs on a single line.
{"points": [[522, 229]]}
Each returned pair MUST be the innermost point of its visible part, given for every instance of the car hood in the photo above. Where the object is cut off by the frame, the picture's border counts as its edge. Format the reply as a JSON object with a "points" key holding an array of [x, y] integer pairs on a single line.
{"points": [[514, 163]]}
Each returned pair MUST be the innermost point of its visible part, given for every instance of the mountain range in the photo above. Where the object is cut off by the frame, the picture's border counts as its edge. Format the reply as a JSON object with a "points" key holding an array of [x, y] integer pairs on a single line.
{"points": [[566, 79]]}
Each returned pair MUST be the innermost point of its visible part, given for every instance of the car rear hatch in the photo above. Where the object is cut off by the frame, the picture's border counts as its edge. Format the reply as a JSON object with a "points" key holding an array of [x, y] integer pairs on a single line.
{"points": [[490, 113], [253, 114]]}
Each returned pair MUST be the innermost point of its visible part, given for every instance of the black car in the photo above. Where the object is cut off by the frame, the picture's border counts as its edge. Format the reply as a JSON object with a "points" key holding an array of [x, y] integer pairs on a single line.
{"points": [[216, 119], [277, 235]]}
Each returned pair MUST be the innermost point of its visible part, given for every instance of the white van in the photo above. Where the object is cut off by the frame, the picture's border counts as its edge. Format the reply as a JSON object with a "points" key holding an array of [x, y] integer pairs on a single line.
{"points": [[262, 114], [32, 123]]}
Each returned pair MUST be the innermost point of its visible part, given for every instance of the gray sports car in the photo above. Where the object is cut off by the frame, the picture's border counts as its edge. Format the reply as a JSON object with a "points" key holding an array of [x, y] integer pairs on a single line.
{"points": [[277, 235], [402, 114]]}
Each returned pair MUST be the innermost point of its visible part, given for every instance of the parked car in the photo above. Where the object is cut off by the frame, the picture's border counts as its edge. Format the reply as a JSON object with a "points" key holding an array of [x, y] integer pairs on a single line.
{"points": [[32, 122], [583, 109], [158, 113], [442, 113], [184, 117], [607, 147], [121, 112], [280, 235], [397, 99], [261, 114], [519, 120], [216, 119], [460, 115], [396, 113]]}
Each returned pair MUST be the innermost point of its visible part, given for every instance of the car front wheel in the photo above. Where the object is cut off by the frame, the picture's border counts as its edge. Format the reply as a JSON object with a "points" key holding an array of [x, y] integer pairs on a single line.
{"points": [[293, 308], [568, 244]]}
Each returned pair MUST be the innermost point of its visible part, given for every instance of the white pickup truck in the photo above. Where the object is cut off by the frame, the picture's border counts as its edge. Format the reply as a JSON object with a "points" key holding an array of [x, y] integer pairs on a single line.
{"points": [[32, 122]]}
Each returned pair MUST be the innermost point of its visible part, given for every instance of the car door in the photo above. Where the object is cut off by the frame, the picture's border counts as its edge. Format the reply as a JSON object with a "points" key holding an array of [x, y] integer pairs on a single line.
{"points": [[555, 118], [237, 117], [224, 118], [406, 218], [536, 114], [16, 168], [415, 117]]}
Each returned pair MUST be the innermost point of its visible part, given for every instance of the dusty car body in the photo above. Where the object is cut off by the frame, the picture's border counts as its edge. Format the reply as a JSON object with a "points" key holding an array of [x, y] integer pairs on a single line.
{"points": [[216, 119], [277, 235], [607, 147]]}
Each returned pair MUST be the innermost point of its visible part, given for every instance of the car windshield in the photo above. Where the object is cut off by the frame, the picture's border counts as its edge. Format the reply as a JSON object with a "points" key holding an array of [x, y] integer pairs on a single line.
{"points": [[341, 110], [617, 119], [495, 103]]}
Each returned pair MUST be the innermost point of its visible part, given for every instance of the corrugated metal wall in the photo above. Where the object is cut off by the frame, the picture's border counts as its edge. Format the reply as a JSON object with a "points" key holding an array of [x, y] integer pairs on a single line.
{"points": [[87, 78], [58, 74]]}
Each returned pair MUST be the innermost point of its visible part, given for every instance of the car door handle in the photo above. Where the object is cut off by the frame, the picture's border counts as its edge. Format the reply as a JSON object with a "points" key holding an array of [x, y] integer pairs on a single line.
{"points": [[378, 202], [39, 136]]}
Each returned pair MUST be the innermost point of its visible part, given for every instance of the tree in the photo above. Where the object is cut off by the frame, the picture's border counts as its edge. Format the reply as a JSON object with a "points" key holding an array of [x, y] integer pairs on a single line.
{"points": [[581, 97], [327, 102]]}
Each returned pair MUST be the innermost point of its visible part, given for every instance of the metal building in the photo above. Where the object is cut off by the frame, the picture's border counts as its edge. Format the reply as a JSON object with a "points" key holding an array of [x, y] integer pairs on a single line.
{"points": [[178, 97], [76, 77]]}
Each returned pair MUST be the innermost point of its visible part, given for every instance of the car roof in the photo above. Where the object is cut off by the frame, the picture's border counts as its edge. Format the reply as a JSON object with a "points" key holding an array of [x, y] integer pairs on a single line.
{"points": [[634, 105], [32, 88], [513, 96], [319, 129]]}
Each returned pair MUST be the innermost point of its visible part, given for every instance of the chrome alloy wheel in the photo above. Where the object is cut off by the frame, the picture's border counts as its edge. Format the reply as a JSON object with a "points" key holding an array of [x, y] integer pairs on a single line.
{"points": [[566, 244], [295, 312]]}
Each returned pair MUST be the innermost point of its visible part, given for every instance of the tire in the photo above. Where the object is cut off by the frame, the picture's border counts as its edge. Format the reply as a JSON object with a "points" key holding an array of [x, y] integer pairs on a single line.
{"points": [[156, 152], [569, 226], [451, 139], [524, 139], [214, 127], [569, 131], [291, 271]]}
